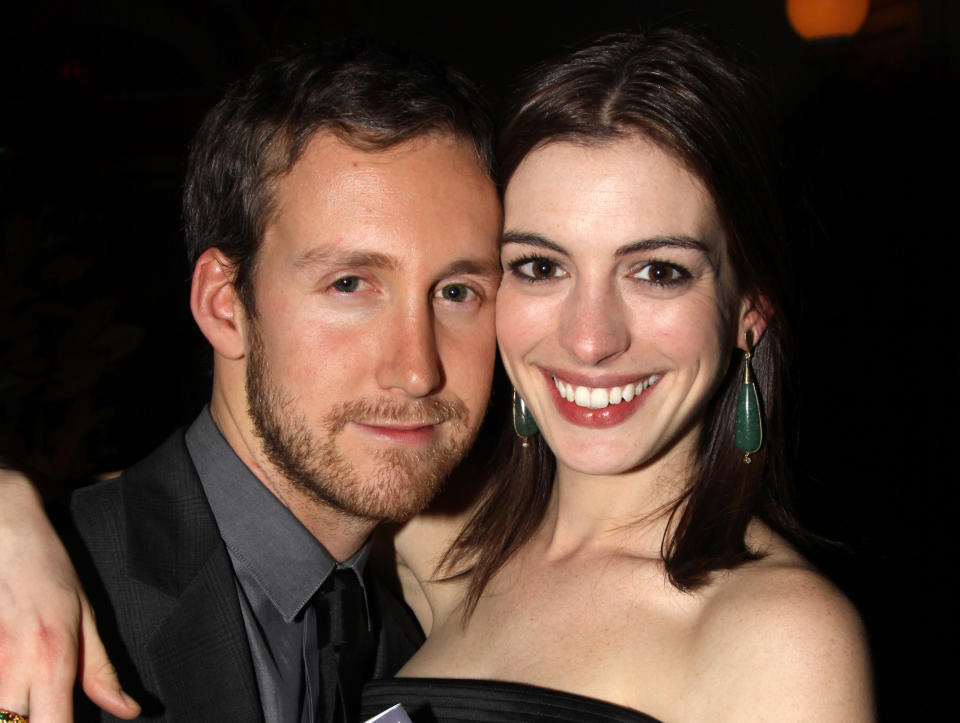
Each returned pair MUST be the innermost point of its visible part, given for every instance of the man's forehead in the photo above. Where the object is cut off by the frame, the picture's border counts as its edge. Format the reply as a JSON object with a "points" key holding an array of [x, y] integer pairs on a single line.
{"points": [[427, 194], [438, 169], [336, 146]]}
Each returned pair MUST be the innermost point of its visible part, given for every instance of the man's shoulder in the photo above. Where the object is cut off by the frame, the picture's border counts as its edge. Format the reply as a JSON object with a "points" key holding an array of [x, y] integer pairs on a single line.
{"points": [[148, 551], [169, 459], [92, 507], [155, 515]]}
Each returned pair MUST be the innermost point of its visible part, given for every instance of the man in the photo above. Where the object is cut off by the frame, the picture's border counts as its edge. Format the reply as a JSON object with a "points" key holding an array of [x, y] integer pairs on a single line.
{"points": [[342, 225]]}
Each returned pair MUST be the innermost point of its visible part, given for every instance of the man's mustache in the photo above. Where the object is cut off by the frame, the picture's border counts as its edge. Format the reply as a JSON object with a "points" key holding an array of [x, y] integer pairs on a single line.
{"points": [[391, 411]]}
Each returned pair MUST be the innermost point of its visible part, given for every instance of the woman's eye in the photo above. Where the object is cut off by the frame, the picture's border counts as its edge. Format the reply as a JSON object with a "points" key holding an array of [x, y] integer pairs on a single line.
{"points": [[537, 269], [456, 292], [662, 273]]}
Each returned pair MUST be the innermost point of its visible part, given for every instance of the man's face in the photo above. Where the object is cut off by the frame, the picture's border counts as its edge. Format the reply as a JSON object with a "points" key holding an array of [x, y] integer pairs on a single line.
{"points": [[371, 352]]}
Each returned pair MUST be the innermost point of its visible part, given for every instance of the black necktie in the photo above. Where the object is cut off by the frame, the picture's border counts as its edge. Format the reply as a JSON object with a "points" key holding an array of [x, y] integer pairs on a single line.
{"points": [[347, 647]]}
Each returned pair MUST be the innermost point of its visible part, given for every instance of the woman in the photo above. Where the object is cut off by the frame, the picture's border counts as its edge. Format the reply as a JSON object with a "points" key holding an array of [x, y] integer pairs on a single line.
{"points": [[629, 560], [640, 560]]}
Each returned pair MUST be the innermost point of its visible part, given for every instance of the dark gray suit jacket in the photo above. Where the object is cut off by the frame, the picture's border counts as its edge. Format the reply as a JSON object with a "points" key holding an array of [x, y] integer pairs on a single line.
{"points": [[160, 579]]}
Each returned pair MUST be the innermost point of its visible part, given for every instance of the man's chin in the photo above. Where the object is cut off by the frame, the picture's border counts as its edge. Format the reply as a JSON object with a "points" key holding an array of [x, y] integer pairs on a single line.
{"points": [[398, 494], [384, 499], [394, 485], [380, 486]]}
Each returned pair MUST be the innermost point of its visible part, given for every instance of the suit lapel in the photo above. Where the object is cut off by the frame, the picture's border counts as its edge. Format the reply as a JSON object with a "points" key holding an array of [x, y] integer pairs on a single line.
{"points": [[200, 653]]}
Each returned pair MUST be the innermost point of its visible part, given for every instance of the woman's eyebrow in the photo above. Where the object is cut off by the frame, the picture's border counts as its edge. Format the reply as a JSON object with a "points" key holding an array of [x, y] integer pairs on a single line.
{"points": [[659, 242], [650, 244], [529, 239]]}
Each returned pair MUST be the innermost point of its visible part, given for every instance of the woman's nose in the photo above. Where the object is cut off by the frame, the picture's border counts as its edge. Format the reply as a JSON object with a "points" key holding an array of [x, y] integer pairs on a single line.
{"points": [[593, 327]]}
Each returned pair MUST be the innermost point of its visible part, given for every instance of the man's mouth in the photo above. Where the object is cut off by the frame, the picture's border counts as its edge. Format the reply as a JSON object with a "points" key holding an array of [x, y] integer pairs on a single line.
{"points": [[602, 397], [400, 426], [401, 433], [397, 417]]}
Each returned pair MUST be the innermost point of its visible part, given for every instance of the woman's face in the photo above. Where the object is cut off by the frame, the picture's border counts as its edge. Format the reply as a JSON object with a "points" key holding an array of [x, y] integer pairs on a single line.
{"points": [[616, 310]]}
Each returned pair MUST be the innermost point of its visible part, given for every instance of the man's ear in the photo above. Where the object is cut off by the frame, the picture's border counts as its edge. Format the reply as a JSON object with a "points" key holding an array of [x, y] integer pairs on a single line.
{"points": [[216, 306], [754, 315]]}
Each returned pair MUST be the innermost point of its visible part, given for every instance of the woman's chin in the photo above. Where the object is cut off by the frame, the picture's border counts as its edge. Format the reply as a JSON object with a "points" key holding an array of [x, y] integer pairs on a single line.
{"points": [[623, 455], [601, 460]]}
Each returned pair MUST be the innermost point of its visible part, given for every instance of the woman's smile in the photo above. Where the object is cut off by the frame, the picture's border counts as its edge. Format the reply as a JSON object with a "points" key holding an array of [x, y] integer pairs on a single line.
{"points": [[598, 403]]}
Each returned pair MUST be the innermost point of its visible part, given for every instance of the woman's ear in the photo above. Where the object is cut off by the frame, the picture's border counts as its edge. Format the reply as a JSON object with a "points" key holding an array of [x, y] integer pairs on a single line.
{"points": [[754, 315], [216, 306]]}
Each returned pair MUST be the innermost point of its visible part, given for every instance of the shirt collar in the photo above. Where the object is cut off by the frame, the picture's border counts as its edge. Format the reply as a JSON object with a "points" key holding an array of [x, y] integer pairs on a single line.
{"points": [[262, 535]]}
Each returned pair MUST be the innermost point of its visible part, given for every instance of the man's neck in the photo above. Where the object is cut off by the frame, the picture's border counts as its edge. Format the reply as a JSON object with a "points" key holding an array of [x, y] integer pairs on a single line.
{"points": [[340, 533]]}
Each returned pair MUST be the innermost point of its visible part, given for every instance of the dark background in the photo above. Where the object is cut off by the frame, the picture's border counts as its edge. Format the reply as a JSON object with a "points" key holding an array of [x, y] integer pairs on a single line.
{"points": [[99, 358]]}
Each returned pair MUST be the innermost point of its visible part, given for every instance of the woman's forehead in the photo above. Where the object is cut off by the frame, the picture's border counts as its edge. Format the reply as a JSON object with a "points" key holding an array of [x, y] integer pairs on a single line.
{"points": [[629, 187]]}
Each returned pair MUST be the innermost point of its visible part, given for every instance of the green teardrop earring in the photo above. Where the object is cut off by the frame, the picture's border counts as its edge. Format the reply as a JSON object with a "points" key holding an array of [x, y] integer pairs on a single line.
{"points": [[748, 431], [523, 422]]}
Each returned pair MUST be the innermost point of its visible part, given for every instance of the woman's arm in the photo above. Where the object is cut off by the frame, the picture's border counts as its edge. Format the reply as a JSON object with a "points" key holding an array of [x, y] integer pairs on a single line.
{"points": [[419, 545], [48, 635]]}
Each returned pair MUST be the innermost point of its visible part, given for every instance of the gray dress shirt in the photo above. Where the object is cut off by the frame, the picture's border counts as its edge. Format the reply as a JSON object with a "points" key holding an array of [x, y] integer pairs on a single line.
{"points": [[279, 566]]}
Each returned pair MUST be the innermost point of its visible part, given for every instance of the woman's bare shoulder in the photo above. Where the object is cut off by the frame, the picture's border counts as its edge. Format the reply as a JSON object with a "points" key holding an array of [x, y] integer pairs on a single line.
{"points": [[777, 640]]}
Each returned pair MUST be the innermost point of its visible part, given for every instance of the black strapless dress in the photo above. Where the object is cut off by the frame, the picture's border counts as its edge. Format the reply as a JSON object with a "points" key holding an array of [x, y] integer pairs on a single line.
{"points": [[450, 700]]}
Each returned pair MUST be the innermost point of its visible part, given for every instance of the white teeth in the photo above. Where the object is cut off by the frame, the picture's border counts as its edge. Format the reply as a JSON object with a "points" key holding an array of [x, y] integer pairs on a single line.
{"points": [[582, 397], [598, 398], [566, 390]]}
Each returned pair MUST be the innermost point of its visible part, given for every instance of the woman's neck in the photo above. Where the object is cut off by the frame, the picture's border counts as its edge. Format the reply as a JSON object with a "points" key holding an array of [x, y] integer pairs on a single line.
{"points": [[626, 512]]}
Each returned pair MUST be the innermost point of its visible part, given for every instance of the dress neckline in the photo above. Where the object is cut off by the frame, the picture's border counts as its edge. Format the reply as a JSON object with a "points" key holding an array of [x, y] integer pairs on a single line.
{"points": [[472, 694]]}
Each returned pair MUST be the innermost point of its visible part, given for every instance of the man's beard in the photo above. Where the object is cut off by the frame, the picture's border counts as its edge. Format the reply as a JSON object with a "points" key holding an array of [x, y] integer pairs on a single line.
{"points": [[403, 482]]}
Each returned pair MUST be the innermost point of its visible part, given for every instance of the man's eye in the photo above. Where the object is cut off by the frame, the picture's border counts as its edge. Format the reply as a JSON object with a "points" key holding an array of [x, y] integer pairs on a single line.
{"points": [[347, 284], [456, 292], [537, 269], [661, 273]]}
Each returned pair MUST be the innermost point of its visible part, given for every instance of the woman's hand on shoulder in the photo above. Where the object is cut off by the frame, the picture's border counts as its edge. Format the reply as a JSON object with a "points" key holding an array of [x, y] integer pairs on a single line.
{"points": [[780, 642], [48, 635]]}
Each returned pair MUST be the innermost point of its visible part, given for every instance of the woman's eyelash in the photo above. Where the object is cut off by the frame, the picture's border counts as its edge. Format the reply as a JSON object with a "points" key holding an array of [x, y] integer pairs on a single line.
{"points": [[541, 268], [663, 273]]}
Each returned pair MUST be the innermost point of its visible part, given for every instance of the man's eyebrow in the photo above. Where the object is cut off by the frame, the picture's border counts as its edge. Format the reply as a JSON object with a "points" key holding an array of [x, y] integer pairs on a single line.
{"points": [[529, 239], [661, 242], [373, 259], [473, 267]]}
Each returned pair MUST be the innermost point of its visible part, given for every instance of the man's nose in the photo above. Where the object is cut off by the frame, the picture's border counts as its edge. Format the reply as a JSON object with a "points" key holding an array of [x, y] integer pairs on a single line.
{"points": [[408, 358]]}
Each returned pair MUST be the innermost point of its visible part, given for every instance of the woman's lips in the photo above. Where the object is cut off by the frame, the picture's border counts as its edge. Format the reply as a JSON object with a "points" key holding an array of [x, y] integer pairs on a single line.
{"points": [[598, 406]]}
